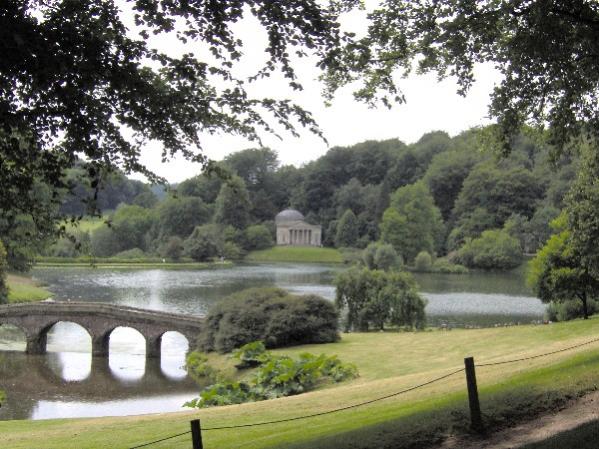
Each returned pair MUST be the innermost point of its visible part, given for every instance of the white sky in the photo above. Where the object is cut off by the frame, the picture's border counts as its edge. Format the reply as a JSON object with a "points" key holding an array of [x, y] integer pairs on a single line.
{"points": [[431, 105]]}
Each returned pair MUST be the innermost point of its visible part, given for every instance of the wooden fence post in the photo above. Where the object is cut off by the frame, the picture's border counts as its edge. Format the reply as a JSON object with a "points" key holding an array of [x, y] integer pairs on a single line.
{"points": [[196, 434], [476, 420]]}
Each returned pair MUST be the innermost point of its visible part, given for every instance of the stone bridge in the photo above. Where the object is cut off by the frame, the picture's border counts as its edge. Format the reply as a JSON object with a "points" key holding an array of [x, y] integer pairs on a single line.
{"points": [[99, 320]]}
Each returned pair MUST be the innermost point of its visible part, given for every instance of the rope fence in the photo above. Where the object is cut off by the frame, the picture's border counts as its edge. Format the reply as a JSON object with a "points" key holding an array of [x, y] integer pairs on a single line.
{"points": [[469, 369]]}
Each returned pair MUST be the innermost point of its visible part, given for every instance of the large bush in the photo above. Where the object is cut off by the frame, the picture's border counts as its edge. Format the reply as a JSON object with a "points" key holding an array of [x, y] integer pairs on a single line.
{"points": [[205, 243], [258, 237], [381, 256], [374, 298], [493, 249], [271, 315]]}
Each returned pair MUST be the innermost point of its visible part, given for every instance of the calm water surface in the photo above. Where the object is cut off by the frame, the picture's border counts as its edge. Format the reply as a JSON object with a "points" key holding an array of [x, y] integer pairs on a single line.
{"points": [[68, 382]]}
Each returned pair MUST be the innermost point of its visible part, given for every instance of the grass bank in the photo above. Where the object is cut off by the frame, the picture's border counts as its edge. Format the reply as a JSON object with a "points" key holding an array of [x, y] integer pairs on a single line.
{"points": [[116, 262], [388, 363], [24, 289], [305, 254]]}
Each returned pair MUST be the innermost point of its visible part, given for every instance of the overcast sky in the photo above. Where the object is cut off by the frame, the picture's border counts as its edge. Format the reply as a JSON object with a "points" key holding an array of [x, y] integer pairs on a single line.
{"points": [[431, 105]]}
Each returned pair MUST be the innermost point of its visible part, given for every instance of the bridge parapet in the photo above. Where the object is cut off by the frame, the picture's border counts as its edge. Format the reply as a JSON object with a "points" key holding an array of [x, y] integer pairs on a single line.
{"points": [[99, 319]]}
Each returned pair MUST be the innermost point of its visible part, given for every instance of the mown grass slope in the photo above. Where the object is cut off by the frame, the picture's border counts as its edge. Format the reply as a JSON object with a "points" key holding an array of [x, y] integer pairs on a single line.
{"points": [[388, 363], [308, 254], [24, 289]]}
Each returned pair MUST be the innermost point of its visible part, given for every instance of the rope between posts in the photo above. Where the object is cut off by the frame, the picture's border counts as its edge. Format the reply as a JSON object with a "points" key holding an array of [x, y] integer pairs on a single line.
{"points": [[338, 409], [313, 415], [160, 440], [569, 348]]}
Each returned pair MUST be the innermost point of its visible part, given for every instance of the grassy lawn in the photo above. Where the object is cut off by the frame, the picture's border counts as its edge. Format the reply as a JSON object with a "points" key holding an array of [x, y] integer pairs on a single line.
{"points": [[306, 254], [388, 362], [24, 289]]}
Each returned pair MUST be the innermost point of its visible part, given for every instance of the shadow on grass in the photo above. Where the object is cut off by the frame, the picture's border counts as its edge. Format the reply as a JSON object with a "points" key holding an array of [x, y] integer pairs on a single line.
{"points": [[518, 398], [585, 436]]}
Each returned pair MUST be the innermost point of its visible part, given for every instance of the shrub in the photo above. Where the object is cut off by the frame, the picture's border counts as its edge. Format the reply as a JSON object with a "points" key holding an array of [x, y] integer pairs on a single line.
{"points": [[381, 256], [278, 376], [204, 243], [133, 253], [443, 265], [423, 261], [232, 252], [493, 249], [258, 237], [569, 310], [271, 315], [173, 248], [196, 364]]}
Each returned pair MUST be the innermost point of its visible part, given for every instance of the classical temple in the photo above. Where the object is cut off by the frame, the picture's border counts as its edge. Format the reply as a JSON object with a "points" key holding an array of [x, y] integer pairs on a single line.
{"points": [[292, 229]]}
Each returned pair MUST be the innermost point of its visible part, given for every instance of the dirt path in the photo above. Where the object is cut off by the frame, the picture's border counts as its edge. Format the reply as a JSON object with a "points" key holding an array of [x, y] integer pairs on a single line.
{"points": [[579, 412]]}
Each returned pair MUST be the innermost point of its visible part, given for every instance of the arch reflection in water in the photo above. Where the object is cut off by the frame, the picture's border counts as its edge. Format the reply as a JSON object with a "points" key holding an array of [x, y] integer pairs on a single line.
{"points": [[174, 347], [127, 354]]}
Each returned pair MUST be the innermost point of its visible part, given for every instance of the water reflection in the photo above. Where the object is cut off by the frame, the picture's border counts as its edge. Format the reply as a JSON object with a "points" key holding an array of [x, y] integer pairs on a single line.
{"points": [[69, 382], [77, 384]]}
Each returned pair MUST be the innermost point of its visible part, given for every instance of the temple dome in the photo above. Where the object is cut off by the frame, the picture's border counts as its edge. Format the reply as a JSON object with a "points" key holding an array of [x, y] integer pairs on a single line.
{"points": [[289, 215]]}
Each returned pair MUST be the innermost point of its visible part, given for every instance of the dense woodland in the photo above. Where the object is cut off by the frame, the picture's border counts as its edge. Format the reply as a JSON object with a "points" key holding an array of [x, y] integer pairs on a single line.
{"points": [[442, 195]]}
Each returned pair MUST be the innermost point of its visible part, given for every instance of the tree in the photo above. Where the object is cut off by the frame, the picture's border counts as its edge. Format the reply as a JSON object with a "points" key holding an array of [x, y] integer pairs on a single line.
{"points": [[381, 256], [173, 248], [544, 51], [79, 86], [347, 230], [258, 237], [233, 204], [556, 274], [495, 248], [374, 298], [180, 216], [131, 224], [3, 284], [412, 223], [205, 243]]}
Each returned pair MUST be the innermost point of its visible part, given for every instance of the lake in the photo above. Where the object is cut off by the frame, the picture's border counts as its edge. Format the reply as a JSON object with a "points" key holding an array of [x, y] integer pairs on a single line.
{"points": [[68, 382]]}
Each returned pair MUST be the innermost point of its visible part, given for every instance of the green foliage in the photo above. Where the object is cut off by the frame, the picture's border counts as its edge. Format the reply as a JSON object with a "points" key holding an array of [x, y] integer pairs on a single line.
{"points": [[173, 248], [258, 237], [133, 253], [233, 204], [412, 223], [556, 274], [180, 216], [570, 309], [493, 249], [131, 224], [3, 285], [277, 376], [232, 252], [198, 368], [381, 256], [271, 315], [105, 242], [250, 355], [500, 192], [374, 298], [423, 261], [347, 230], [442, 265], [205, 243]]}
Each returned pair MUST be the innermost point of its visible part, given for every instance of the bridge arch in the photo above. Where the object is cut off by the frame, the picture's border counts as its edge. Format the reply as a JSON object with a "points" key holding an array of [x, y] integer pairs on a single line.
{"points": [[37, 339], [99, 320]]}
